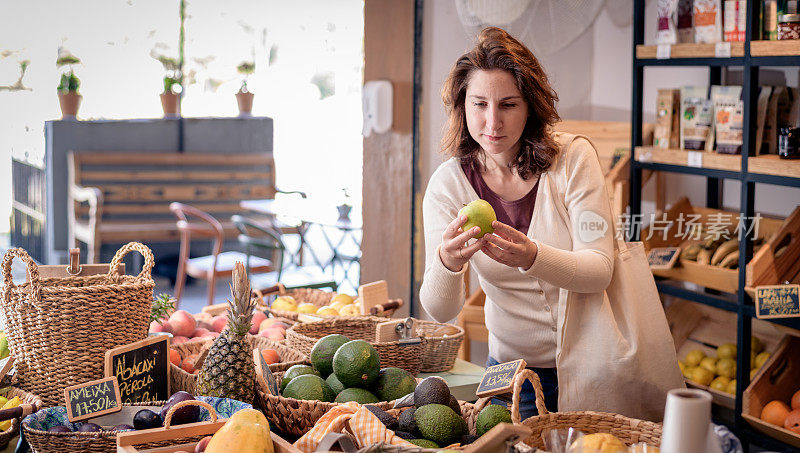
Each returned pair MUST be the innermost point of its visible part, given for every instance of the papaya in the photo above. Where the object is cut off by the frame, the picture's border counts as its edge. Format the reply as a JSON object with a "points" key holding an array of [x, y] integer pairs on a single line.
{"points": [[247, 431]]}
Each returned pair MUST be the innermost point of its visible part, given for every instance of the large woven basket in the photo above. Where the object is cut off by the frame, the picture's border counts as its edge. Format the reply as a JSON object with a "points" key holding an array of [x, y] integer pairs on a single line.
{"points": [[106, 441], [441, 347], [315, 296], [27, 398], [292, 416], [181, 380], [59, 329], [304, 336]]}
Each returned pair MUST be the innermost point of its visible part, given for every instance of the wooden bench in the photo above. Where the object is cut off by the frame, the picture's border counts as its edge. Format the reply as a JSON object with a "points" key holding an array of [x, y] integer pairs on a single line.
{"points": [[117, 197]]}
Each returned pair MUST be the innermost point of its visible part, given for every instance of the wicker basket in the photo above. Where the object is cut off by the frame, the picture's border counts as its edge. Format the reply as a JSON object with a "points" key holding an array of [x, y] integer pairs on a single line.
{"points": [[292, 416], [442, 344], [181, 380], [27, 398], [304, 336], [106, 441], [60, 328], [315, 296]]}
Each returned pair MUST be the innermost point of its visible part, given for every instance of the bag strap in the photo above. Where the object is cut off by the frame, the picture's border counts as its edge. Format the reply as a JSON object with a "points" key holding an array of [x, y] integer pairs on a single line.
{"points": [[147, 268], [342, 441], [35, 287]]}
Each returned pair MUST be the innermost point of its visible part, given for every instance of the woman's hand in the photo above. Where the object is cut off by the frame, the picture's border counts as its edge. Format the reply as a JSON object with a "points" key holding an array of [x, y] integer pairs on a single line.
{"points": [[455, 251], [510, 247]]}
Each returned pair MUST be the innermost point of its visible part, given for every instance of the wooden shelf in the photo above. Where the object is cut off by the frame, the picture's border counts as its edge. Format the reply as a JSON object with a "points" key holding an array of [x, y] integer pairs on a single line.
{"points": [[690, 50], [728, 162], [787, 48], [769, 164]]}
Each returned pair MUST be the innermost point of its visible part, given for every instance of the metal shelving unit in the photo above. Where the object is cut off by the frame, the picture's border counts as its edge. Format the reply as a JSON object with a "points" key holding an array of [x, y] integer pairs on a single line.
{"points": [[765, 53]]}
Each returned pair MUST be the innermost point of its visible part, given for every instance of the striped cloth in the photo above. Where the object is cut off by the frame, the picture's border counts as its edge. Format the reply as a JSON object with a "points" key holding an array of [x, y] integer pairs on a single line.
{"points": [[356, 419]]}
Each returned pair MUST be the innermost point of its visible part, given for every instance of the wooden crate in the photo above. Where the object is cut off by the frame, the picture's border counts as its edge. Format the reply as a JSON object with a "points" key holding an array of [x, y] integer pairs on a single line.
{"points": [[778, 379], [713, 277], [697, 326], [768, 269]]}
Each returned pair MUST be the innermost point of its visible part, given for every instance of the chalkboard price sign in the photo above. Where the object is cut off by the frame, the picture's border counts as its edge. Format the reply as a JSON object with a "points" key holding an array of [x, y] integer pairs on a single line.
{"points": [[264, 376], [499, 379], [662, 258], [142, 369], [92, 399], [778, 301]]}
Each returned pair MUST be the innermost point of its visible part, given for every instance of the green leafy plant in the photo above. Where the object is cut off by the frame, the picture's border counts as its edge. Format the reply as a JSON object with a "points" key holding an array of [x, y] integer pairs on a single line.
{"points": [[245, 68], [163, 305], [173, 80], [69, 81]]}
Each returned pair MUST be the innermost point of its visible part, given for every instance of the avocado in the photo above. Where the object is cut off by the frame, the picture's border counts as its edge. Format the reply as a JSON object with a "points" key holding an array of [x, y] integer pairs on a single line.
{"points": [[356, 364], [393, 383], [490, 416], [388, 420], [309, 387], [356, 394], [453, 404], [293, 372], [424, 443], [405, 435], [334, 383], [406, 422], [440, 424], [432, 390], [322, 353]]}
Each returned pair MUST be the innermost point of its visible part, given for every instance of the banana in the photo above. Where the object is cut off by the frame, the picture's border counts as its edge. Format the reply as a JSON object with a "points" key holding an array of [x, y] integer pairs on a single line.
{"points": [[704, 256], [731, 260], [690, 252], [724, 250], [713, 243]]}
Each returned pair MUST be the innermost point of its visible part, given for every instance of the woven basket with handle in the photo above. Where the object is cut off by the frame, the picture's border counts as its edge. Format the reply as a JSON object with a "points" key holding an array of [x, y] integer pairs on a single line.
{"points": [[181, 380], [441, 347], [27, 398], [304, 336], [59, 329]]}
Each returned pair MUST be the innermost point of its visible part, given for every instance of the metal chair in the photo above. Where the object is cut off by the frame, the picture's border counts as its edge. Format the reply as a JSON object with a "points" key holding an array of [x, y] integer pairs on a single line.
{"points": [[262, 239], [210, 267]]}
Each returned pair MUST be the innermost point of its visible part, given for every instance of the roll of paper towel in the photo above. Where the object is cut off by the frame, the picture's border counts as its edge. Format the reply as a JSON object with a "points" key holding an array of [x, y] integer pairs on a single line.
{"points": [[687, 423]]}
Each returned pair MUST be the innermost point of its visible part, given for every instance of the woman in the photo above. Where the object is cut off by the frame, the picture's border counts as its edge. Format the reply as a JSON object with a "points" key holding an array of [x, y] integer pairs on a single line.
{"points": [[552, 241]]}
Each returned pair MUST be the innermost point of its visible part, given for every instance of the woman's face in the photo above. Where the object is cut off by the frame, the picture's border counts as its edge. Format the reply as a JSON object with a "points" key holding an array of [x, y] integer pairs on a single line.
{"points": [[496, 111]]}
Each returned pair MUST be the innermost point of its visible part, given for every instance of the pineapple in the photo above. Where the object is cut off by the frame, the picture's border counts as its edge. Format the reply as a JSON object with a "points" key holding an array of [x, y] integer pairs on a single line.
{"points": [[229, 370]]}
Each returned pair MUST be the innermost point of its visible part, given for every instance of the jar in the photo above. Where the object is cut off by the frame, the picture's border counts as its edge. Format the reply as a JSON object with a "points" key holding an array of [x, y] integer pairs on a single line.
{"points": [[789, 26], [789, 143]]}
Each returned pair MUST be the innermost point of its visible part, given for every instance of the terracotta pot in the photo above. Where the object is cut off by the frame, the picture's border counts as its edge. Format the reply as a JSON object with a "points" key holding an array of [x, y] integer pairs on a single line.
{"points": [[170, 103], [69, 102], [245, 101]]}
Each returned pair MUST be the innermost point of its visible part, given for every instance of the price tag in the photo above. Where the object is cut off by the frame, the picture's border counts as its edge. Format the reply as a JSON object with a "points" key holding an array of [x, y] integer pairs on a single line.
{"points": [[695, 159], [264, 375], [646, 156], [663, 51], [778, 301], [722, 49], [142, 369], [92, 399], [663, 257], [499, 379]]}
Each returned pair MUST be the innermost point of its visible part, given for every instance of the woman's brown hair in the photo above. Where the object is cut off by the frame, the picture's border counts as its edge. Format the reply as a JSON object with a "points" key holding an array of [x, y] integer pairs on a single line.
{"points": [[496, 49]]}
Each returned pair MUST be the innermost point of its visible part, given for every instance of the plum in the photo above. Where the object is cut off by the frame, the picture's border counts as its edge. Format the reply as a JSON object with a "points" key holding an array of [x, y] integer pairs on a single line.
{"points": [[59, 429], [89, 428], [146, 419], [186, 414], [122, 427]]}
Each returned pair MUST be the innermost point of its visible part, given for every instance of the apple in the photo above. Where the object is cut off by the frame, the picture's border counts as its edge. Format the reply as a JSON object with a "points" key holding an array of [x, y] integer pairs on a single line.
{"points": [[258, 318], [166, 326], [479, 213], [183, 323], [155, 326], [274, 334], [200, 332], [179, 339], [218, 323]]}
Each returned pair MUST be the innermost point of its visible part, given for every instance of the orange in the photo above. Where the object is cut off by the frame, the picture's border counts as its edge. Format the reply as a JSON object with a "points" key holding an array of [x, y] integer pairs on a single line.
{"points": [[796, 400], [775, 412], [175, 357], [270, 356], [792, 422]]}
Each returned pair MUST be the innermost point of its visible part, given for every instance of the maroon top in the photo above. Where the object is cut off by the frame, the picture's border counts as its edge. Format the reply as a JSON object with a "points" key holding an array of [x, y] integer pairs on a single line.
{"points": [[516, 214]]}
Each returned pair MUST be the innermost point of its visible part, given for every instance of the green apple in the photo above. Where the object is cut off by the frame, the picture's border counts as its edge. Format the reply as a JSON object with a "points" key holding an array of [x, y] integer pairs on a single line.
{"points": [[479, 213]]}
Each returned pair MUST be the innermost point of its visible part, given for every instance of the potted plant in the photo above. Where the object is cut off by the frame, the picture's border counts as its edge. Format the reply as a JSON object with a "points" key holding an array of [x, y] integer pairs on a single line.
{"points": [[244, 98], [170, 97], [68, 97]]}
